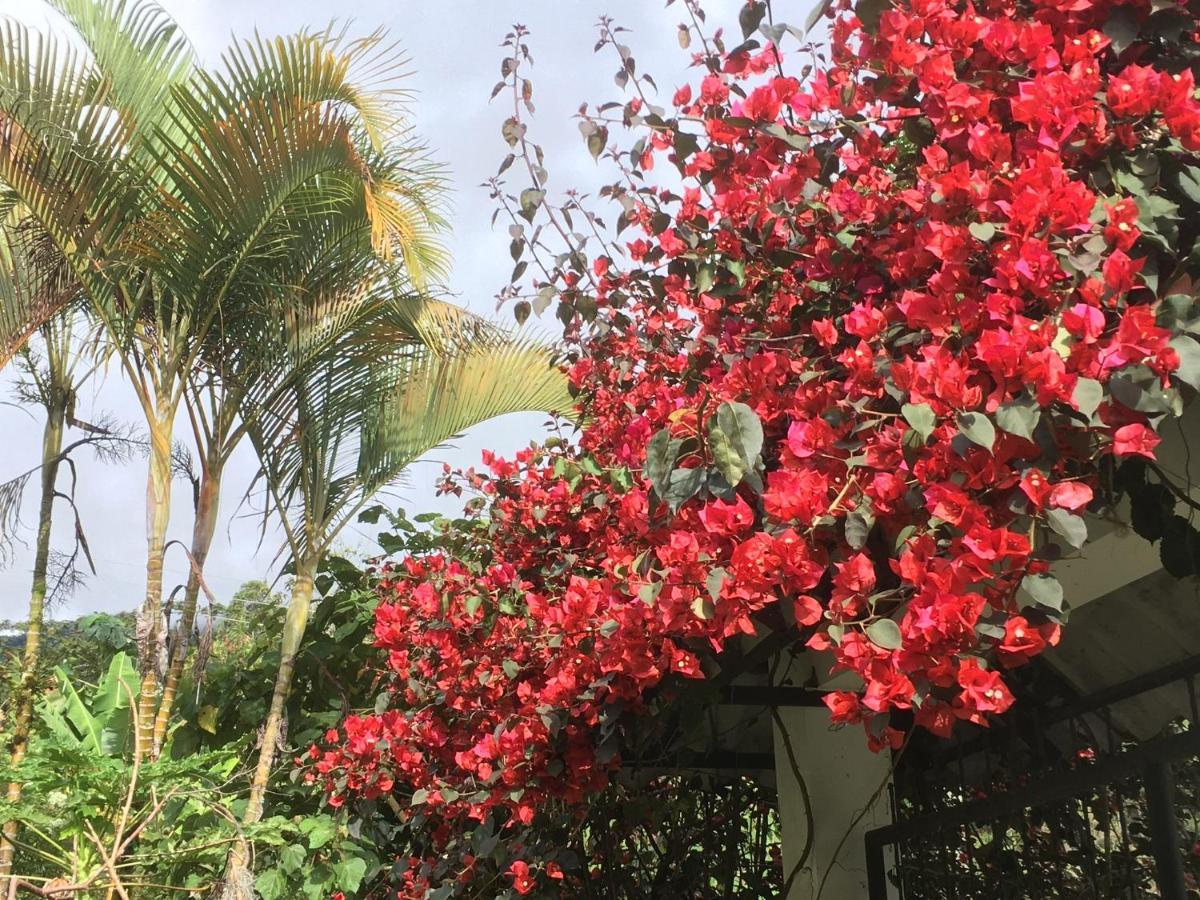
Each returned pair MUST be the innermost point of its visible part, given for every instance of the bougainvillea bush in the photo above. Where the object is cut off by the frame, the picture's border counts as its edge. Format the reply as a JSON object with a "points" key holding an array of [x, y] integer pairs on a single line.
{"points": [[867, 338]]}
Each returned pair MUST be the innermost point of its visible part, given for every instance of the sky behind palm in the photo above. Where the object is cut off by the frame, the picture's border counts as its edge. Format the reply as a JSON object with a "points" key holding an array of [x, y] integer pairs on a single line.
{"points": [[455, 60]]}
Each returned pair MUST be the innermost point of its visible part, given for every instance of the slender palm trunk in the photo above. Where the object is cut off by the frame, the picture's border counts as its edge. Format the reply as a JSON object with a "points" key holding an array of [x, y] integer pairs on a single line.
{"points": [[237, 875], [158, 512], [207, 500], [52, 441], [293, 636]]}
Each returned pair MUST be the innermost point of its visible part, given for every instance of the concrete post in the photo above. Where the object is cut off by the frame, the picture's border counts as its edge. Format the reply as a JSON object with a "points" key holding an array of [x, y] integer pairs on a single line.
{"points": [[841, 776]]}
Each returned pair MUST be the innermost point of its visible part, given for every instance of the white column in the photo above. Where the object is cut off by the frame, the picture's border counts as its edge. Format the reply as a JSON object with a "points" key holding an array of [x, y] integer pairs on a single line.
{"points": [[843, 778]]}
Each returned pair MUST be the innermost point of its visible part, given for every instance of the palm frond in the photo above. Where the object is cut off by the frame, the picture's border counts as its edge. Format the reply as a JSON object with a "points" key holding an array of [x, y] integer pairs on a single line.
{"points": [[63, 154], [438, 396], [351, 424], [138, 52]]}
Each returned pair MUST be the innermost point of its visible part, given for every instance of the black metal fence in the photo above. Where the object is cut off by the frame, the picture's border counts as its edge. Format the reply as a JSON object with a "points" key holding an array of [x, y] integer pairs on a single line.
{"points": [[1058, 802]]}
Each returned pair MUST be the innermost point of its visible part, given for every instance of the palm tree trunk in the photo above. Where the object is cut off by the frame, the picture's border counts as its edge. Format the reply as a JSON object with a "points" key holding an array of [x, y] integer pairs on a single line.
{"points": [[207, 500], [293, 636], [51, 449], [158, 512], [237, 874]]}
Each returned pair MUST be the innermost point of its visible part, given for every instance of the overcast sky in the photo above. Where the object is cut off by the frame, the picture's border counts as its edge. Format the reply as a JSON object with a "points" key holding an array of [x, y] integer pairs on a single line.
{"points": [[454, 47]]}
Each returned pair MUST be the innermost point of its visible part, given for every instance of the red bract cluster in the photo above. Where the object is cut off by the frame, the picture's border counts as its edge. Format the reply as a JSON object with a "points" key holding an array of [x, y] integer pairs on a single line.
{"points": [[856, 378]]}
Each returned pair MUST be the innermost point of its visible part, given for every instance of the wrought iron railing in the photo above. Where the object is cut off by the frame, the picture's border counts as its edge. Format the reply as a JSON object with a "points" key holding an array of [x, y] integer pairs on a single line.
{"points": [[1057, 802]]}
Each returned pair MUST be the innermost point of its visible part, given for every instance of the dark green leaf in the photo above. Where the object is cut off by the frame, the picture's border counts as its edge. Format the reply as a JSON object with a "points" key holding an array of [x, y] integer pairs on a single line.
{"points": [[1121, 28], [682, 487], [869, 13], [1019, 417], [1180, 548], [661, 452], [858, 528], [751, 16], [1151, 507], [977, 428]]}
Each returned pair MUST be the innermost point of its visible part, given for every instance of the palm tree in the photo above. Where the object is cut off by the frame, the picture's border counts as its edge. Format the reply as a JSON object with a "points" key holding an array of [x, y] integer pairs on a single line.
{"points": [[32, 276], [168, 190], [351, 424], [329, 283], [26, 285]]}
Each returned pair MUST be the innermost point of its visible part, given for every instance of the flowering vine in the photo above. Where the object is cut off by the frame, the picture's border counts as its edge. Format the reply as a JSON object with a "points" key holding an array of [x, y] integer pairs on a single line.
{"points": [[867, 341]]}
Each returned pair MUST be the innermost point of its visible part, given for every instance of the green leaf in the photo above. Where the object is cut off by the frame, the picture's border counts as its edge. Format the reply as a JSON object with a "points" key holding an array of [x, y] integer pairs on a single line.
{"points": [[682, 487], [1151, 506], [1087, 396], [728, 461], [751, 17], [1045, 590], [531, 199], [1189, 359], [920, 417], [737, 269], [419, 797], [349, 873], [597, 141], [320, 833], [270, 884], [982, 231], [977, 428], [661, 453], [1180, 548], [472, 604], [858, 528], [1121, 28], [293, 857], [609, 627], [511, 669], [815, 14], [1019, 417], [1069, 525], [869, 13], [743, 428], [648, 593], [885, 633], [703, 608], [713, 582]]}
